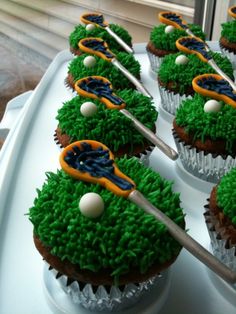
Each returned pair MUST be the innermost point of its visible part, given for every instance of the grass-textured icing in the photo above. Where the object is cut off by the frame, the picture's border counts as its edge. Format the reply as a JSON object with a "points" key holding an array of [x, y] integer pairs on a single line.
{"points": [[108, 126], [229, 31], [80, 32], [164, 41], [214, 125], [122, 238]]}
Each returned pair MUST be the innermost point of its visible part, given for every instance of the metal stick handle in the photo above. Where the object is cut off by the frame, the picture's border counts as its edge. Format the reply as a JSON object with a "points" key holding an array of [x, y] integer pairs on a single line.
{"points": [[220, 72], [132, 78], [167, 150], [183, 238], [119, 40]]}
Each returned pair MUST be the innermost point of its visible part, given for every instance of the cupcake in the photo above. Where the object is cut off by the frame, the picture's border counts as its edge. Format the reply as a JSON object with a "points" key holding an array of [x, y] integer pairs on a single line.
{"points": [[106, 125], [220, 218], [162, 42], [90, 30], [106, 251], [228, 41], [86, 65], [177, 72], [205, 134]]}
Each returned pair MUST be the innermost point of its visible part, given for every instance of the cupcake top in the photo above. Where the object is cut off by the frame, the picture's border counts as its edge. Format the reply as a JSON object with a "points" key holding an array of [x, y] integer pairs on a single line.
{"points": [[123, 237], [228, 31], [108, 126], [214, 125], [226, 195], [178, 77], [80, 32], [166, 41], [78, 70]]}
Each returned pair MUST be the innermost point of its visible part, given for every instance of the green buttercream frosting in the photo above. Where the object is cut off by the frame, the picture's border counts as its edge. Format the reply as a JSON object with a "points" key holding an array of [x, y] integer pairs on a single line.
{"points": [[215, 125], [226, 195], [104, 68], [108, 126], [229, 31], [123, 237], [182, 75], [80, 32], [164, 41]]}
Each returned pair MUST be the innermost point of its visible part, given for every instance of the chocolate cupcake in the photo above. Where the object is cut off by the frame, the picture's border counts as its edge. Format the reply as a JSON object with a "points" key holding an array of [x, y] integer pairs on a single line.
{"points": [[162, 42], [102, 243], [205, 136], [106, 125], [220, 219], [176, 74], [228, 41]]}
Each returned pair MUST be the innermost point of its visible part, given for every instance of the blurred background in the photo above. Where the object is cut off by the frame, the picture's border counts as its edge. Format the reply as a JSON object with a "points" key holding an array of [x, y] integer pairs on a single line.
{"points": [[33, 32]]}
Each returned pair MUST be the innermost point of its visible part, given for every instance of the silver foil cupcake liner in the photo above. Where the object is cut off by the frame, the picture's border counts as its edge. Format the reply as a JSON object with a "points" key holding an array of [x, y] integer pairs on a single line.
{"points": [[207, 167], [101, 298], [170, 101], [230, 55], [220, 246], [155, 61]]}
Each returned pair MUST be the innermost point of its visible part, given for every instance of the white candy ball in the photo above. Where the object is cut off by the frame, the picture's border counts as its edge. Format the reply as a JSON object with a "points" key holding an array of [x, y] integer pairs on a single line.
{"points": [[169, 29], [91, 205], [212, 106], [181, 60], [90, 27], [89, 61], [88, 109]]}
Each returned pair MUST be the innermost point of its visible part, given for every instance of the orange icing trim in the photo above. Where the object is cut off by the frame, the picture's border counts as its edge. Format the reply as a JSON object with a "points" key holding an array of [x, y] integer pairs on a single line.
{"points": [[94, 52], [85, 21], [104, 100], [106, 183], [212, 94], [231, 13], [189, 51], [164, 20]]}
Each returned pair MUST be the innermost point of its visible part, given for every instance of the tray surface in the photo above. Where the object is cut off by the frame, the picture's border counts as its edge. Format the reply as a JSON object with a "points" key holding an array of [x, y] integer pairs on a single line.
{"points": [[30, 151]]}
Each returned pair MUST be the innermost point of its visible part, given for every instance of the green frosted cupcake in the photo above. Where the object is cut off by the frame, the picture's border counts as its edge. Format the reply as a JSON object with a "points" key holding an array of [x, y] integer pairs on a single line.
{"points": [[81, 32], [108, 126], [175, 77], [228, 41], [206, 141], [220, 218], [118, 252], [162, 42], [78, 69]]}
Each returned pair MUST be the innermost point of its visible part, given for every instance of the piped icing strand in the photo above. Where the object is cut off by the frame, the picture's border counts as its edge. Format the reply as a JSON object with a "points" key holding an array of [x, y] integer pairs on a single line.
{"points": [[122, 238], [97, 45], [192, 44], [226, 195], [221, 87], [100, 89], [175, 18], [95, 18], [95, 162], [215, 125], [108, 126]]}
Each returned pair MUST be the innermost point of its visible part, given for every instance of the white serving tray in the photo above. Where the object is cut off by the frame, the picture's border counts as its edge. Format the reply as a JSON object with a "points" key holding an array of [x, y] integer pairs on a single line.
{"points": [[30, 151]]}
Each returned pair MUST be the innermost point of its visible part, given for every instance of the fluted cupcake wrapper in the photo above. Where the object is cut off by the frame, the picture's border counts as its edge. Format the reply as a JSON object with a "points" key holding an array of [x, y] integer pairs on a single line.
{"points": [[100, 298], [230, 55], [155, 61], [208, 167], [170, 101], [220, 246]]}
